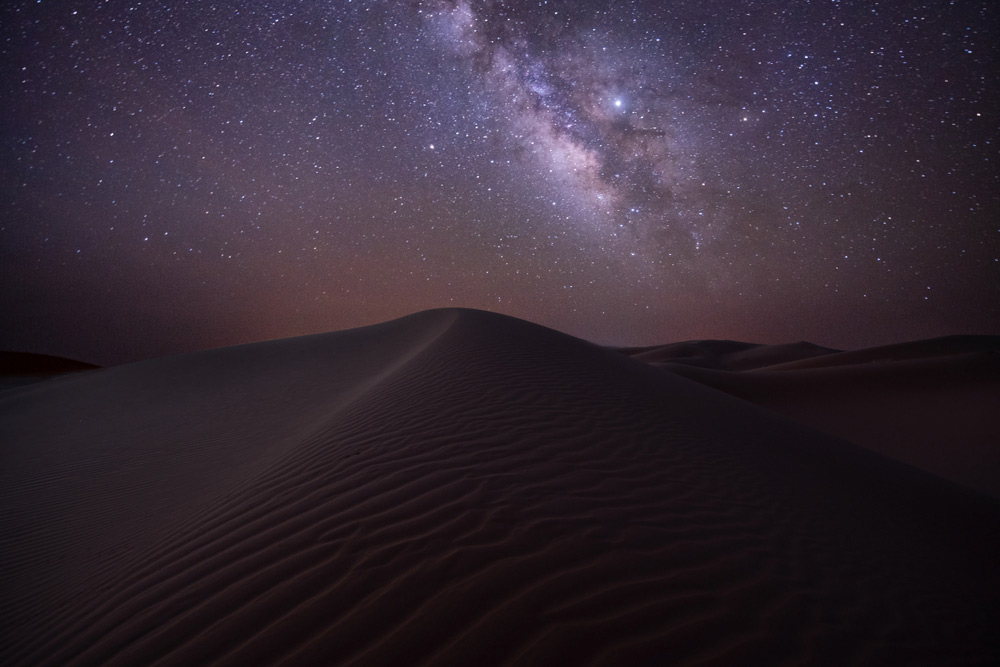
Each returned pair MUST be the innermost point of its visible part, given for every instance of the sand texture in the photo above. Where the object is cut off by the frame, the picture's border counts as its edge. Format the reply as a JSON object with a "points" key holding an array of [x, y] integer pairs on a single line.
{"points": [[463, 488]]}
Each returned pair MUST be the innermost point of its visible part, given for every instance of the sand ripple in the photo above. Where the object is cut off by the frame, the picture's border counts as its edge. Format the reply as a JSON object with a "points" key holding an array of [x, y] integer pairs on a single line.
{"points": [[462, 488]]}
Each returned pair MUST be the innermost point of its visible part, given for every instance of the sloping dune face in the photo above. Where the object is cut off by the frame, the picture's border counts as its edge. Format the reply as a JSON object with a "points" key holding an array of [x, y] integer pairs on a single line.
{"points": [[462, 488]]}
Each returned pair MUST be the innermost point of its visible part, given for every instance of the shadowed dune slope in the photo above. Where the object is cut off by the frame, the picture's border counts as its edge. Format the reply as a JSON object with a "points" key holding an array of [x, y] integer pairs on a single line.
{"points": [[463, 488]]}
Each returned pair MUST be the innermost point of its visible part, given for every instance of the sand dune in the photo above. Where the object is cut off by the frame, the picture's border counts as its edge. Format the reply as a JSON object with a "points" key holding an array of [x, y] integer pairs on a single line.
{"points": [[932, 404], [463, 488], [20, 368], [727, 354]]}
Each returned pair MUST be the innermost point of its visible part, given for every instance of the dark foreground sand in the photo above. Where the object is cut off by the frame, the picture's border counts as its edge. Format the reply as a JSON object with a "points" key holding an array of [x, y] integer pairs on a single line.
{"points": [[463, 488]]}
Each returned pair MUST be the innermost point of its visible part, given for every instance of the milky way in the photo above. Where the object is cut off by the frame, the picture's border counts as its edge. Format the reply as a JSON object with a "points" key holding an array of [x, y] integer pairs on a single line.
{"points": [[591, 121], [180, 175]]}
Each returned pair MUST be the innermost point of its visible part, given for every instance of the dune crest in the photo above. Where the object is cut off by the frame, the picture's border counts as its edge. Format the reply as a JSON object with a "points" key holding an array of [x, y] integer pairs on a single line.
{"points": [[458, 487]]}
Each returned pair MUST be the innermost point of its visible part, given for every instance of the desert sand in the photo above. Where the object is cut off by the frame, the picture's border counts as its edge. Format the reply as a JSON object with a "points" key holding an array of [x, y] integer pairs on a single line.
{"points": [[463, 488]]}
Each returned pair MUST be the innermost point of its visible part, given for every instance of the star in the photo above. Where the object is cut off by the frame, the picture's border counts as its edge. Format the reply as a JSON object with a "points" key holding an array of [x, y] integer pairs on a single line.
{"points": [[298, 168]]}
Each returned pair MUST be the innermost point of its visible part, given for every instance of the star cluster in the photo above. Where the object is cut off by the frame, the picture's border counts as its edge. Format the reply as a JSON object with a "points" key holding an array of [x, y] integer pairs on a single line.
{"points": [[179, 175]]}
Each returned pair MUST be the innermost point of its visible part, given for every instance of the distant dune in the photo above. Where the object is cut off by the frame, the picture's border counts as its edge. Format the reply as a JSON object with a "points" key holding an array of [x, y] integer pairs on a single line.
{"points": [[463, 488], [26, 363], [932, 404], [20, 368], [727, 354]]}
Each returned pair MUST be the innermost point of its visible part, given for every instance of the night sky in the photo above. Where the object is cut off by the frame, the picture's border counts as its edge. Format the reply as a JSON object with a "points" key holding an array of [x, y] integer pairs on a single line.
{"points": [[179, 175]]}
